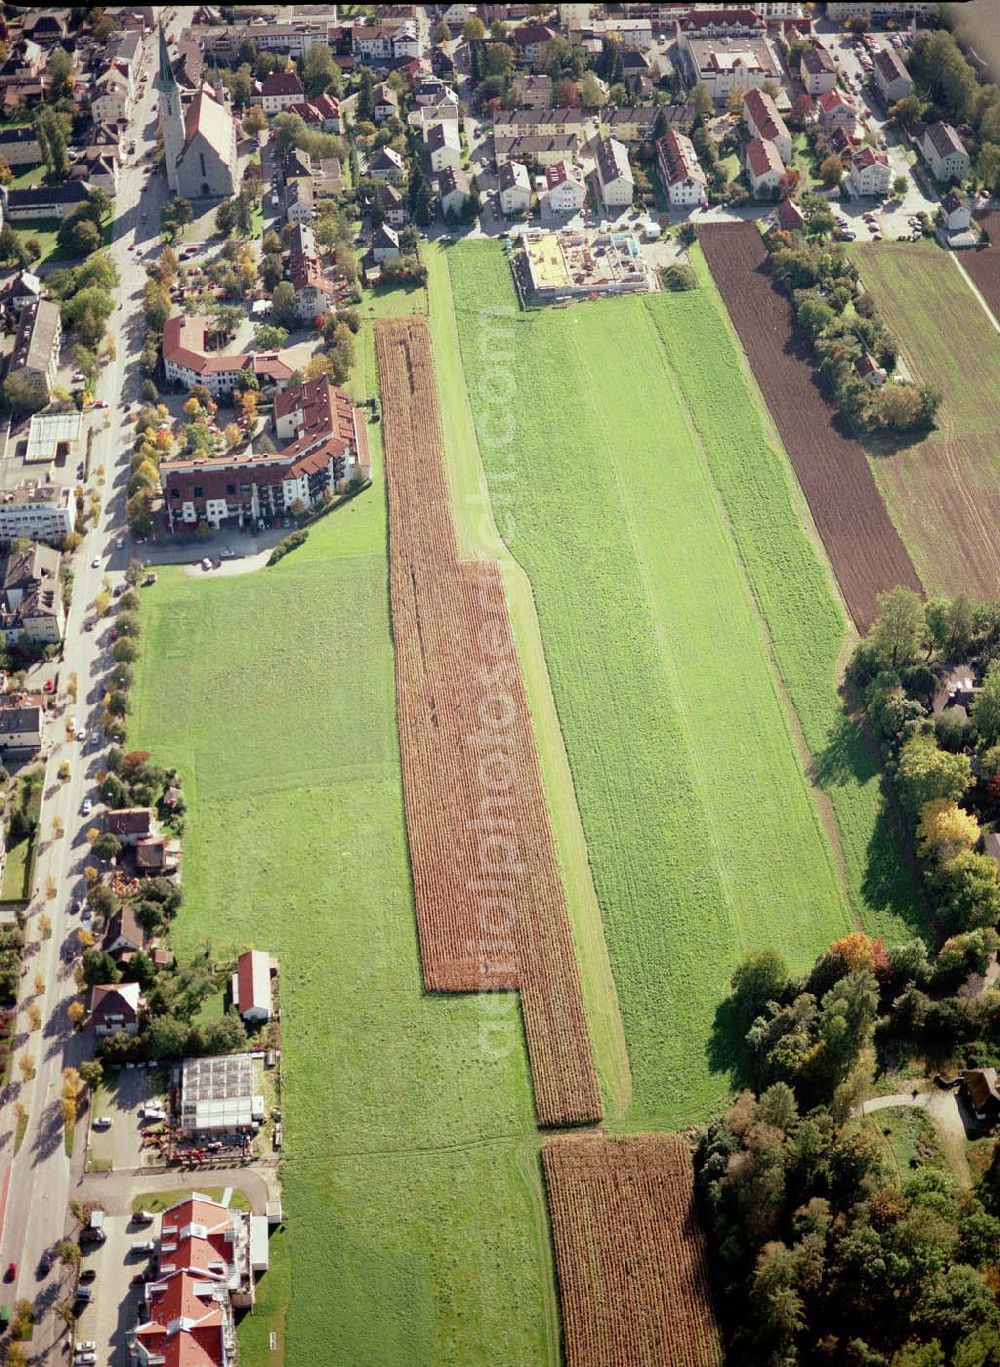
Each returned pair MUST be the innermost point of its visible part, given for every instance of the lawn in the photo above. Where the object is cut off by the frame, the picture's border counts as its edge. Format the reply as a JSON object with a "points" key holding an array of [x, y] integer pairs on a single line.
{"points": [[943, 492], [416, 1227], [703, 834]]}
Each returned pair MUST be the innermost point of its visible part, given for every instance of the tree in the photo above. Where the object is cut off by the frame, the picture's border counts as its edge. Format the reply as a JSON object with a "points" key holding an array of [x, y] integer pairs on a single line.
{"points": [[831, 171], [944, 830], [25, 392], [701, 102], [440, 33], [107, 846], [474, 30], [68, 1253], [76, 1013], [679, 278], [966, 893], [226, 1036], [254, 121], [320, 71], [269, 337], [760, 978], [92, 1073], [986, 707], [27, 1066], [51, 133], [899, 186], [366, 97], [167, 1037], [927, 774], [898, 633], [283, 306]]}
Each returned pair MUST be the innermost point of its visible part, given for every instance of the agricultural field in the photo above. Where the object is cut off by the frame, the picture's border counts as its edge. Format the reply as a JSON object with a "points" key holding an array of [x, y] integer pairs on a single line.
{"points": [[863, 546], [943, 490], [622, 1207], [490, 906], [608, 505], [408, 1133], [984, 263]]}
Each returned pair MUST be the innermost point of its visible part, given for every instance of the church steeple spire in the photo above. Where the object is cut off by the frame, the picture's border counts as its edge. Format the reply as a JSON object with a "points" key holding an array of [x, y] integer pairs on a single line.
{"points": [[165, 78]]}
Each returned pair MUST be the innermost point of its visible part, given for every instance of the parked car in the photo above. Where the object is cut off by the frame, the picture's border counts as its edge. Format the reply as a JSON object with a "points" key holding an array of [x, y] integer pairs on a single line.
{"points": [[87, 805], [144, 1246], [144, 1217], [88, 1275], [102, 1122], [11, 1272], [81, 735], [95, 564]]}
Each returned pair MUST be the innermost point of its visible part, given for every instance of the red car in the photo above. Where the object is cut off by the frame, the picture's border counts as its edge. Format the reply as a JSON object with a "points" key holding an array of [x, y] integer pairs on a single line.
{"points": [[49, 686], [11, 1272]]}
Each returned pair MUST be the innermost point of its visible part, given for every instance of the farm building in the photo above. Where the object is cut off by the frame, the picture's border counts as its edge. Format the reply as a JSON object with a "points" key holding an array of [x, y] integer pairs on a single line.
{"points": [[251, 986]]}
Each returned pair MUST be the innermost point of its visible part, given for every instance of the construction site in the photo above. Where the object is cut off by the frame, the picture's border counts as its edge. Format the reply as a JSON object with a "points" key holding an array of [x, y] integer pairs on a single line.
{"points": [[578, 264]]}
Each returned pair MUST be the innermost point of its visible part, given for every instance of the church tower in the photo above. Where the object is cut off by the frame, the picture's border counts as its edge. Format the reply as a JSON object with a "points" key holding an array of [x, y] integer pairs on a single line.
{"points": [[171, 115]]}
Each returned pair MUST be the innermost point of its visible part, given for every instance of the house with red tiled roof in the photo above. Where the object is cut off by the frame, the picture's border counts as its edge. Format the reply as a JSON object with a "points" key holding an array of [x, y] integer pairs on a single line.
{"points": [[251, 987], [868, 172], [764, 167], [114, 1008], [328, 450], [761, 116], [188, 361], [835, 111], [280, 90], [531, 40]]}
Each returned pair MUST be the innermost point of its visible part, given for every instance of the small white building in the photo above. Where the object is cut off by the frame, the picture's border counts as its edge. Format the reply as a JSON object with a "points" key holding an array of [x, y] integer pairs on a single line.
{"points": [[565, 192], [817, 71], [614, 174], [680, 169], [868, 172], [514, 185], [280, 91], [385, 244], [956, 215]]}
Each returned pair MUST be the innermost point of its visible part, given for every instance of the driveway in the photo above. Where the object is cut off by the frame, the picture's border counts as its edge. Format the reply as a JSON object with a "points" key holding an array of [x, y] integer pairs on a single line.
{"points": [[945, 1110], [112, 1311]]}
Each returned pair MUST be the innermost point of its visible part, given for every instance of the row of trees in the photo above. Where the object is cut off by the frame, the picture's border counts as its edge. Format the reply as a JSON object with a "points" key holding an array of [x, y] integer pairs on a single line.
{"points": [[822, 282]]}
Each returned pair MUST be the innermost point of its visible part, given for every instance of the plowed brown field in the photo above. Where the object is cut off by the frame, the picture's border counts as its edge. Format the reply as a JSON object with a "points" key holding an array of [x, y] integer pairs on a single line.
{"points": [[983, 264], [864, 547], [491, 912], [630, 1252]]}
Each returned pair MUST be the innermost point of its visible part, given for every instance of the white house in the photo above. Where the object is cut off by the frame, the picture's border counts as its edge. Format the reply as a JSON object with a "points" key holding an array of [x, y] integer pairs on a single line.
{"points": [[891, 76], [761, 116], [112, 100], [680, 169], [444, 146], [386, 164], [614, 175], [764, 167], [385, 244], [514, 185], [868, 172], [454, 189], [386, 102], [565, 192], [944, 152], [955, 213], [280, 91]]}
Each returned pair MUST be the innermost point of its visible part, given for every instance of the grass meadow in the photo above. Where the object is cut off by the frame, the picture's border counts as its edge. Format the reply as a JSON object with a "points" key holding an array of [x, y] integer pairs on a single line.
{"points": [[942, 490], [703, 833], [416, 1228]]}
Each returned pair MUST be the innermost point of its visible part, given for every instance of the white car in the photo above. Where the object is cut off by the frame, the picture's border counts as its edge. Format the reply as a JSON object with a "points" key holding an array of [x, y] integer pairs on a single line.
{"points": [[81, 734], [95, 564], [86, 1346], [87, 806], [102, 1122]]}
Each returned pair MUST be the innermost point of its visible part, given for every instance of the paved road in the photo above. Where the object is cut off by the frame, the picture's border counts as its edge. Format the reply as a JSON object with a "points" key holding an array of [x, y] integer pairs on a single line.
{"points": [[41, 1176], [116, 1190]]}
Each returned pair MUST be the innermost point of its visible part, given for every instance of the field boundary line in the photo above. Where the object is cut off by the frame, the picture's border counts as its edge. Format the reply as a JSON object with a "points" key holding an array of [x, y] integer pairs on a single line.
{"points": [[979, 296]]}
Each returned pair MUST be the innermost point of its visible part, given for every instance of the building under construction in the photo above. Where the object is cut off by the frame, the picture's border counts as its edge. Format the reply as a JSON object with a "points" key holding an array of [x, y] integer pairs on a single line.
{"points": [[576, 264]]}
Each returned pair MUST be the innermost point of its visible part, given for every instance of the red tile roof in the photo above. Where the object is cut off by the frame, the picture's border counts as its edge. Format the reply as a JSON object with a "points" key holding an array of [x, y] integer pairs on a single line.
{"points": [[763, 157], [764, 112], [281, 83]]}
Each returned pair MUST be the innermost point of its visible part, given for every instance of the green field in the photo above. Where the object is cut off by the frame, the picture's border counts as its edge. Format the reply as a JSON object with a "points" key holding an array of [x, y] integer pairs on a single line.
{"points": [[704, 836], [417, 1228], [943, 491]]}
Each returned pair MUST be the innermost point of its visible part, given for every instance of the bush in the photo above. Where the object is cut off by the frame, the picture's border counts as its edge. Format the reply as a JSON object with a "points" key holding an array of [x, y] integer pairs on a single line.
{"points": [[290, 543], [678, 278]]}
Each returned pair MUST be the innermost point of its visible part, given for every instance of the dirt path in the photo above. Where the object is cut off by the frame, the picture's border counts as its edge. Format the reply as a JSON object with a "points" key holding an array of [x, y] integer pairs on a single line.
{"points": [[942, 1107]]}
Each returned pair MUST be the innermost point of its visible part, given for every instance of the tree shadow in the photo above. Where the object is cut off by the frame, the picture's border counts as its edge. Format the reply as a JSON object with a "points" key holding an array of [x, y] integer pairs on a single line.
{"points": [[727, 1050]]}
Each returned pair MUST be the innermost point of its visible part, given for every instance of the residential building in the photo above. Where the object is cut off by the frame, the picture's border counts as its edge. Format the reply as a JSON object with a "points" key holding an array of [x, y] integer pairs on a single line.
{"points": [[199, 142], [444, 146], [764, 168], [38, 512], [981, 1090], [454, 191], [187, 360], [531, 41], [514, 186], [542, 149], [251, 987], [880, 10], [835, 111], [724, 22], [299, 202], [944, 152], [386, 102], [761, 116], [37, 343], [114, 1009], [385, 244], [631, 124], [869, 370], [891, 76], [565, 192], [533, 92], [21, 725], [868, 172], [515, 123], [44, 201], [20, 288], [727, 64], [393, 205], [295, 38], [31, 604], [379, 45], [315, 290], [429, 114], [680, 169], [129, 824], [431, 90], [787, 217], [112, 96], [124, 936], [386, 164], [280, 90], [615, 185], [817, 70], [326, 449]]}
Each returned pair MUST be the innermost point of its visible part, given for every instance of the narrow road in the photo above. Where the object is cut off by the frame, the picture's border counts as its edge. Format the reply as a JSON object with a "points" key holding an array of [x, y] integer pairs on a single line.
{"points": [[116, 1190], [40, 1174]]}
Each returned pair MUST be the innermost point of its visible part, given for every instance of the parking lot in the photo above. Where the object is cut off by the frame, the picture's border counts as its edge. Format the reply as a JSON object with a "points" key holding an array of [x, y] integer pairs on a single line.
{"points": [[114, 1300], [119, 1145]]}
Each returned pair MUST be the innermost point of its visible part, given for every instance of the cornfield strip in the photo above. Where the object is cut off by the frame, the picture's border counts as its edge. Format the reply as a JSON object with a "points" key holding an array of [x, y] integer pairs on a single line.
{"points": [[491, 913], [630, 1252]]}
